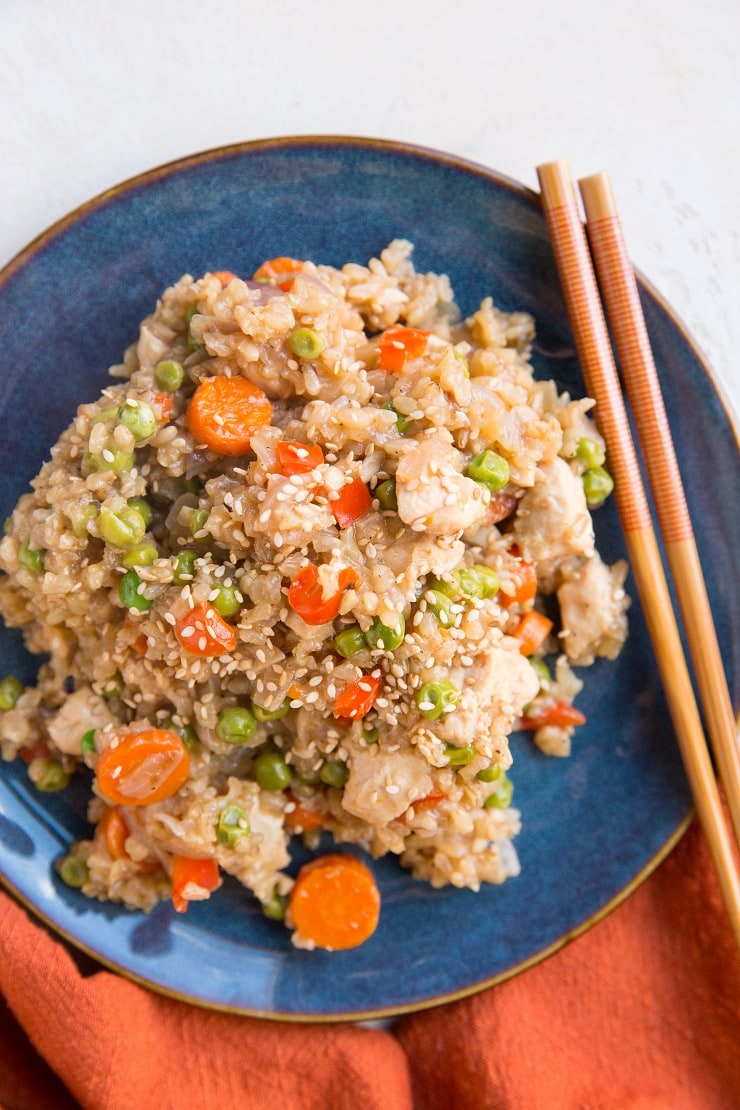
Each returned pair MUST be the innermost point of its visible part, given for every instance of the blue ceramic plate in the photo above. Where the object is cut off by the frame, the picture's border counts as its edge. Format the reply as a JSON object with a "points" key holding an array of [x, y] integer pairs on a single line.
{"points": [[594, 824]]}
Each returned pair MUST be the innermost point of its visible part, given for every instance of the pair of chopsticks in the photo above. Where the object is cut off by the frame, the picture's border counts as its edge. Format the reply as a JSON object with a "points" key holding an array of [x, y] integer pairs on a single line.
{"points": [[576, 257]]}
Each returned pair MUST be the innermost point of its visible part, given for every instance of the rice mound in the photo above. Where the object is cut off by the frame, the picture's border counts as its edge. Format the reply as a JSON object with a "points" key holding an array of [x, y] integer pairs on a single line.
{"points": [[427, 790]]}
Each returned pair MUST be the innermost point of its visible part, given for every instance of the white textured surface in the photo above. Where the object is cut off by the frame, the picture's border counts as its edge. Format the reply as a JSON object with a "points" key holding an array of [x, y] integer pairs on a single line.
{"points": [[94, 91]]}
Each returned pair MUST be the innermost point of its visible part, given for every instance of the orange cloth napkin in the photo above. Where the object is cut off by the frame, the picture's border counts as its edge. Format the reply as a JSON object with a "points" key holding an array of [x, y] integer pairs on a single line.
{"points": [[641, 1012]]}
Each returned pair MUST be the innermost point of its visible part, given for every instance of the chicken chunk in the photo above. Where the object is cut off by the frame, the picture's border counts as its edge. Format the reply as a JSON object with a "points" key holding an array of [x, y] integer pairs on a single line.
{"points": [[433, 495], [553, 524], [382, 786], [82, 711], [593, 605]]}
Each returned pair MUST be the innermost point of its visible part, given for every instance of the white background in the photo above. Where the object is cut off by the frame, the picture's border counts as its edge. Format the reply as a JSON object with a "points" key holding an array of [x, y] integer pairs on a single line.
{"points": [[94, 91]]}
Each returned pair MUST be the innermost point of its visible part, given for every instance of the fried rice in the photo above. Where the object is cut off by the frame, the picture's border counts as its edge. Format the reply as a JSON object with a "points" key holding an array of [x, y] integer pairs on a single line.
{"points": [[409, 497]]}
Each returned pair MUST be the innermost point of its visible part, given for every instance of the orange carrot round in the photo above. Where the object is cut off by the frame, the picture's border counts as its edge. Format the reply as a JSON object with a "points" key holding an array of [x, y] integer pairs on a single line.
{"points": [[398, 344], [143, 767], [357, 698], [306, 595], [280, 270], [353, 501], [335, 902], [203, 631], [224, 413], [191, 878], [532, 631], [298, 458]]}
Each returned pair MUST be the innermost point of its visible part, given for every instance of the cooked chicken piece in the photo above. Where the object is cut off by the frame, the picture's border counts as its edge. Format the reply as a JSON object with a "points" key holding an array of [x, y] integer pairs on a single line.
{"points": [[592, 609], [81, 711], [432, 493], [553, 524], [412, 557], [494, 691], [381, 786]]}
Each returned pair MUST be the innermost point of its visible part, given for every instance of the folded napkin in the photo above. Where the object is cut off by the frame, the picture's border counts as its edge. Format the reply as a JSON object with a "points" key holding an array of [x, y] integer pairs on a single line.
{"points": [[640, 1013]]}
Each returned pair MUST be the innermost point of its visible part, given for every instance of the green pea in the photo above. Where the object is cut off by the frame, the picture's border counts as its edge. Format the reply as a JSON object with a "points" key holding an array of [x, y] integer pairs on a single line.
{"points": [[233, 823], [124, 528], [139, 417], [597, 485], [447, 587], [105, 416], [112, 457], [276, 907], [11, 689], [187, 733], [590, 452], [48, 775], [540, 668], [371, 735], [144, 508], [464, 363], [235, 725], [441, 606], [334, 773], [184, 566], [489, 469], [437, 699], [502, 795], [459, 757], [113, 687], [227, 602], [169, 375], [73, 871], [402, 422], [379, 635], [306, 343], [87, 743], [128, 592], [262, 714], [143, 555], [31, 558], [385, 494], [490, 774], [349, 641], [190, 485], [271, 771], [83, 516], [193, 343], [198, 521], [478, 581]]}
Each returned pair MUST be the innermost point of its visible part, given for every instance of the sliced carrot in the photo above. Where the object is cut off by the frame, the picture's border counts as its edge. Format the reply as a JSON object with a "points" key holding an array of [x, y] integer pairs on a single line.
{"points": [[164, 404], [224, 276], [301, 819], [203, 631], [427, 802], [398, 344], [224, 413], [298, 458], [192, 879], [500, 506], [560, 713], [353, 501], [525, 586], [114, 831], [112, 825], [280, 270], [143, 767], [140, 644], [357, 698], [532, 631], [36, 751], [306, 596], [335, 902]]}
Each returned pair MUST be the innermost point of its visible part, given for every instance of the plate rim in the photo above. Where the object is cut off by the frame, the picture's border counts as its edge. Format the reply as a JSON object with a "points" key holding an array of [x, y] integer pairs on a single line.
{"points": [[521, 191]]}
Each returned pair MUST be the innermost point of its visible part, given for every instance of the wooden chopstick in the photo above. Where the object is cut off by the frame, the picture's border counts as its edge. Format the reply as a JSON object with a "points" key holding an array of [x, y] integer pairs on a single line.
{"points": [[600, 374], [624, 312]]}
